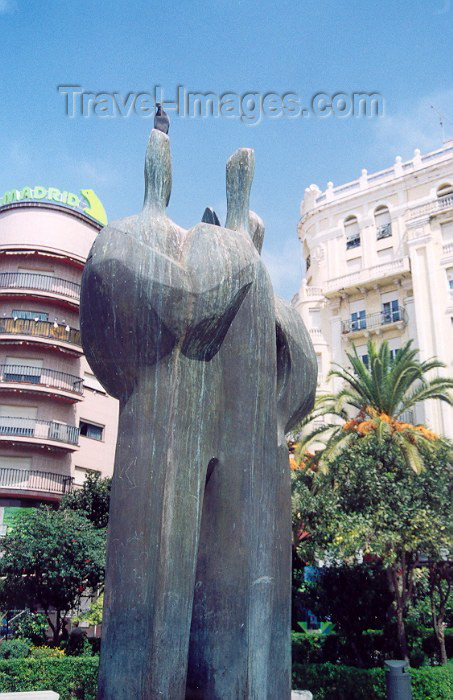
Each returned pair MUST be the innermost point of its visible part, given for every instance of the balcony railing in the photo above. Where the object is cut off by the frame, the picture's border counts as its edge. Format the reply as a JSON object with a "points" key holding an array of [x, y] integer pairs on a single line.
{"points": [[30, 480], [41, 376], [40, 329], [384, 231], [433, 207], [43, 283], [353, 241], [374, 321], [367, 275], [39, 429]]}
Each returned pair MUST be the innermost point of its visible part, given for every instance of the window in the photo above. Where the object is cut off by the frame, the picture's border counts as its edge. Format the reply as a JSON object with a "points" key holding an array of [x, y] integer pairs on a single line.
{"points": [[450, 280], [18, 420], [315, 318], [319, 361], [394, 348], [385, 255], [445, 190], [90, 382], [362, 352], [354, 264], [358, 315], [80, 474], [383, 222], [391, 311], [358, 320], [90, 430], [22, 369], [393, 354], [14, 473], [308, 262], [352, 232], [30, 315], [446, 230]]}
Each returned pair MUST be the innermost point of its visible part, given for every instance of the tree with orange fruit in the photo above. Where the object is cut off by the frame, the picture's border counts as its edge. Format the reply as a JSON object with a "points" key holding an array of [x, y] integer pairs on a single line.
{"points": [[378, 485]]}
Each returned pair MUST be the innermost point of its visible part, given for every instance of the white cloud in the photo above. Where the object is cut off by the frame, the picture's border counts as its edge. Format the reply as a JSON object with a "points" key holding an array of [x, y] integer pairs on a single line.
{"points": [[416, 125], [7, 7]]}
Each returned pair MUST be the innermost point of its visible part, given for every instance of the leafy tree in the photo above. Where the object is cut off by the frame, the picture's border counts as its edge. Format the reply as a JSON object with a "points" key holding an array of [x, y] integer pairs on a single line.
{"points": [[49, 560], [94, 613], [355, 598], [371, 502], [440, 579], [91, 500], [31, 625], [378, 395]]}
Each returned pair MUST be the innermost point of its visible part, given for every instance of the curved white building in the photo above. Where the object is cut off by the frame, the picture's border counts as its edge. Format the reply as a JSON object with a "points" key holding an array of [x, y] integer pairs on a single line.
{"points": [[379, 263], [56, 421]]}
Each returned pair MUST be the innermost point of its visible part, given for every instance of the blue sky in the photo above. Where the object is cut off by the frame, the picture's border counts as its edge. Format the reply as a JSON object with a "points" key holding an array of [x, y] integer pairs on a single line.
{"points": [[402, 50]]}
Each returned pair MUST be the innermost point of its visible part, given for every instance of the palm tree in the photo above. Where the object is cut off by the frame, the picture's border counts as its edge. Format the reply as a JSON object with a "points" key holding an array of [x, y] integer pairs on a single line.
{"points": [[379, 394]]}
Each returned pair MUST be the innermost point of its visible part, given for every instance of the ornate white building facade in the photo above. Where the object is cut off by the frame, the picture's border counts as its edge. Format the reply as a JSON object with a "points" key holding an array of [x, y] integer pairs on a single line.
{"points": [[379, 263]]}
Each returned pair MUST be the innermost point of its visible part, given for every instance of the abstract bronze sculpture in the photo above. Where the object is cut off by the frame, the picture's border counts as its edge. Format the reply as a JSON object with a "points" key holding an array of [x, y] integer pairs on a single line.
{"points": [[211, 371]]}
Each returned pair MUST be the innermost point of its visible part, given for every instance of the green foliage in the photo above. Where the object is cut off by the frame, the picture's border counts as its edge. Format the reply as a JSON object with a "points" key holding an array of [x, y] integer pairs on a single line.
{"points": [[375, 646], [32, 626], [390, 386], [50, 559], [337, 591], [335, 682], [71, 677], [94, 613], [15, 649], [45, 652], [92, 500], [377, 396], [383, 509], [371, 502]]}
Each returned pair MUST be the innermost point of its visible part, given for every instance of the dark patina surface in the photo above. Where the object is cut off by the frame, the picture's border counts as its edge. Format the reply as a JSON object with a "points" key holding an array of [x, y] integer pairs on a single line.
{"points": [[210, 370]]}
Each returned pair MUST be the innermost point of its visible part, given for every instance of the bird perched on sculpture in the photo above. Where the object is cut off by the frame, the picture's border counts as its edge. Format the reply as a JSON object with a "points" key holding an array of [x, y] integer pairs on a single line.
{"points": [[161, 120]]}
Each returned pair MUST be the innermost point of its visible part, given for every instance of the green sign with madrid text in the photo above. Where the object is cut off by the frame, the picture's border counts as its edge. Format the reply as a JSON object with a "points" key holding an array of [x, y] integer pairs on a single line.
{"points": [[87, 202]]}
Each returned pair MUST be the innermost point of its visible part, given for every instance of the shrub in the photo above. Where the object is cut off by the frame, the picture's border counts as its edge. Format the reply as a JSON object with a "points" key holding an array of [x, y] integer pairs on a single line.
{"points": [[330, 682], [45, 652], [72, 678], [15, 649], [375, 647]]}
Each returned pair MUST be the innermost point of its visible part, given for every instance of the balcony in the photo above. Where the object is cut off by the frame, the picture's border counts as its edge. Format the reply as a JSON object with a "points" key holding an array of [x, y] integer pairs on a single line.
{"points": [[35, 432], [436, 206], [367, 277], [24, 283], [41, 380], [384, 231], [375, 323], [353, 241], [447, 248], [21, 329], [28, 480]]}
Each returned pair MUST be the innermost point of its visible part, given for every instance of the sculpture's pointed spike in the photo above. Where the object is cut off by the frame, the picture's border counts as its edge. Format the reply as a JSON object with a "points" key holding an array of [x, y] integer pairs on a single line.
{"points": [[157, 171], [210, 217], [239, 177]]}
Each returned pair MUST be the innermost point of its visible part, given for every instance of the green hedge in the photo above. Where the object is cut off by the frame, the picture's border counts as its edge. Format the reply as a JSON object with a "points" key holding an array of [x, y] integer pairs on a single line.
{"points": [[331, 682], [371, 650], [72, 677], [75, 677]]}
